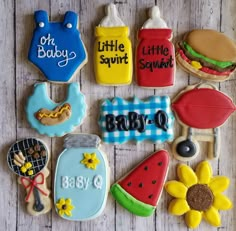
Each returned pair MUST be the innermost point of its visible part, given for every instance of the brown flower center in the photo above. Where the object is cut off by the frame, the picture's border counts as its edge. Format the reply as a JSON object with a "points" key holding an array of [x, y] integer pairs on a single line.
{"points": [[90, 161], [64, 207], [199, 197]]}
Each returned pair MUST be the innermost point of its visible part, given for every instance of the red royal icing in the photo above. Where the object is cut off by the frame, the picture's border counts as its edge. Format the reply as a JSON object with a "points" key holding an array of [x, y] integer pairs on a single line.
{"points": [[203, 108], [204, 69], [146, 181], [155, 61]]}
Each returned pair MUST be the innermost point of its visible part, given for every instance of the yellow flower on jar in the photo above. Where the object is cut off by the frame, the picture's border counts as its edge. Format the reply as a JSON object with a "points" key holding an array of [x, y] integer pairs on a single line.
{"points": [[198, 195], [64, 206], [90, 160]]}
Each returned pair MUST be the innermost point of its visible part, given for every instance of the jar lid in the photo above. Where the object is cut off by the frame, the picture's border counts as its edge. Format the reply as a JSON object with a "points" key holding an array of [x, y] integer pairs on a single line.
{"points": [[81, 141]]}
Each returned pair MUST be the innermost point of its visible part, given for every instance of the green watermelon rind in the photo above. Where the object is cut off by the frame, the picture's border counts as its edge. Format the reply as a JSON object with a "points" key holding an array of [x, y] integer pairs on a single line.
{"points": [[130, 203]]}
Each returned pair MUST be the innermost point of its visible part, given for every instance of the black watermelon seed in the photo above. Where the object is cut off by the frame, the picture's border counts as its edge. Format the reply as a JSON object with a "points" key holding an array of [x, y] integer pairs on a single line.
{"points": [[160, 163], [154, 182], [129, 184], [150, 196], [146, 168], [141, 185]]}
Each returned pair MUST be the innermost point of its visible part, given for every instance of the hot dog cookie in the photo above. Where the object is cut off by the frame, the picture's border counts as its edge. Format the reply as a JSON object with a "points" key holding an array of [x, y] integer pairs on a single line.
{"points": [[55, 119], [56, 116]]}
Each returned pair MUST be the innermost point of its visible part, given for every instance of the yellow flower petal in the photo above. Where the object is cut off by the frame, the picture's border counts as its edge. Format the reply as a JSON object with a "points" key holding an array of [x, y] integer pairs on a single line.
{"points": [[186, 175], [212, 216], [60, 203], [176, 189], [68, 201], [204, 172], [70, 207], [193, 218], [219, 184], [68, 213], [222, 202], [178, 207], [93, 156], [90, 160], [61, 212], [87, 156]]}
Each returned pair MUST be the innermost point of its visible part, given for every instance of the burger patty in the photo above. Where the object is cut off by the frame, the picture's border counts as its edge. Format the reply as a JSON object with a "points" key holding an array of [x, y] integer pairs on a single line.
{"points": [[203, 62]]}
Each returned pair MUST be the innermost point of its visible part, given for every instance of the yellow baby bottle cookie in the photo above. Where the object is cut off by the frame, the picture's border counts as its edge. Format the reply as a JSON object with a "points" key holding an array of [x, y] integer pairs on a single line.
{"points": [[112, 50]]}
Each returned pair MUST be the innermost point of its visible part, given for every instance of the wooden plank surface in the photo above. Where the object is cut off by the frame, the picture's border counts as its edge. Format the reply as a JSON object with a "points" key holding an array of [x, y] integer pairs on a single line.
{"points": [[18, 77]]}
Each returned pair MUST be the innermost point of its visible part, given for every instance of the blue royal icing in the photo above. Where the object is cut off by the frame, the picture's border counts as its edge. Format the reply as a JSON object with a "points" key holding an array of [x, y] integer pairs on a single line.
{"points": [[86, 188], [56, 47], [121, 121], [40, 99]]}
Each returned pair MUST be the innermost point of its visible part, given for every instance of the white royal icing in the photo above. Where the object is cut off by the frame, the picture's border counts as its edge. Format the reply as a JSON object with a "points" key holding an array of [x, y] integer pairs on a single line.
{"points": [[113, 18], [155, 20], [54, 52], [81, 182]]}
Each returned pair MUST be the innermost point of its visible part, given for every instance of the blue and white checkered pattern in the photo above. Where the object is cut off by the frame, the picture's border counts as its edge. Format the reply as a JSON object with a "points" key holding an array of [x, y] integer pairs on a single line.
{"points": [[149, 107]]}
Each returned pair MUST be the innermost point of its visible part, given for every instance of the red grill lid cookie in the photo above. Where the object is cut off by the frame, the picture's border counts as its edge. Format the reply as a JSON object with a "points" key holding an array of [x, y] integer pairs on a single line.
{"points": [[203, 108]]}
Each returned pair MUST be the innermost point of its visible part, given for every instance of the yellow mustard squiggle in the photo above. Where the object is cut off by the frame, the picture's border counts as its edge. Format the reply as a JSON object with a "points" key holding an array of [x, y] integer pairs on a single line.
{"points": [[55, 114]]}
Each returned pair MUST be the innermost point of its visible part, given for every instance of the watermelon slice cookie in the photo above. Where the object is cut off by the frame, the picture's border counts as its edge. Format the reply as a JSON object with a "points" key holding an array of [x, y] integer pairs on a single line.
{"points": [[140, 190]]}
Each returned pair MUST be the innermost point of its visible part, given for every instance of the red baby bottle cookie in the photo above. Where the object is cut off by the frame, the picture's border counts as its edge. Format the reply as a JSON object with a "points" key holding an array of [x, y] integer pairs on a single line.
{"points": [[155, 55]]}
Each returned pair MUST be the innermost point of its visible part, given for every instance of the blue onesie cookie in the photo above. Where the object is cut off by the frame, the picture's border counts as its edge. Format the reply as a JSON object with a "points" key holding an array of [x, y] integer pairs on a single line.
{"points": [[56, 47]]}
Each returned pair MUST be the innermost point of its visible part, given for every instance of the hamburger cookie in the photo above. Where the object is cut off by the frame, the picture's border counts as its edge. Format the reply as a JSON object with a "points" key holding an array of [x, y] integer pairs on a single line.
{"points": [[207, 54]]}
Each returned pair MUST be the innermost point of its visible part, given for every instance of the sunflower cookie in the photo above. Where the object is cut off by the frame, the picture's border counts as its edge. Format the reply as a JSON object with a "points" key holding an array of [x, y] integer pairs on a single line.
{"points": [[198, 195]]}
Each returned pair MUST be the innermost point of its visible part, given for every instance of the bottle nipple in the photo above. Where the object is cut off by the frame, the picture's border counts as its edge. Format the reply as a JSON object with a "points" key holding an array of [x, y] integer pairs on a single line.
{"points": [[155, 20], [113, 18]]}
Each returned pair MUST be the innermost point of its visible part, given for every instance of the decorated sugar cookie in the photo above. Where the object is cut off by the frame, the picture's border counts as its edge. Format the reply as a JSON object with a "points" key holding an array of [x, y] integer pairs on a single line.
{"points": [[198, 195], [140, 191], [207, 54], [201, 109], [155, 55], [55, 119], [81, 178], [112, 50], [56, 47], [28, 158], [121, 121]]}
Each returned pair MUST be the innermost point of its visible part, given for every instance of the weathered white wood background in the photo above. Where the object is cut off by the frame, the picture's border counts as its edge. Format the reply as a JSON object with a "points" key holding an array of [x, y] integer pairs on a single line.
{"points": [[17, 77]]}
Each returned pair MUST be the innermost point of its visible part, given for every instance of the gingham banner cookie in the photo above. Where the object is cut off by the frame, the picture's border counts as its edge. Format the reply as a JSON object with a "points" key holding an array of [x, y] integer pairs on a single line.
{"points": [[122, 121]]}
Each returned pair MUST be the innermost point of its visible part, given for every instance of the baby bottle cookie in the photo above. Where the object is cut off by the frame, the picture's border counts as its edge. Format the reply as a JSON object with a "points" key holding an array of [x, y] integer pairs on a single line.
{"points": [[81, 178], [56, 47], [28, 158], [155, 55], [112, 50]]}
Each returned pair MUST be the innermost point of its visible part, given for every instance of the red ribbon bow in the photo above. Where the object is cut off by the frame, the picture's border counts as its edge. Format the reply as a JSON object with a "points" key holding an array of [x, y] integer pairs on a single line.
{"points": [[37, 180]]}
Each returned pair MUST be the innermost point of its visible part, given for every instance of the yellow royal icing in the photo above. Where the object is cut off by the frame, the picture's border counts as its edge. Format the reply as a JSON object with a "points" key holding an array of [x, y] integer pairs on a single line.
{"points": [[196, 64], [198, 195], [113, 56], [54, 114]]}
